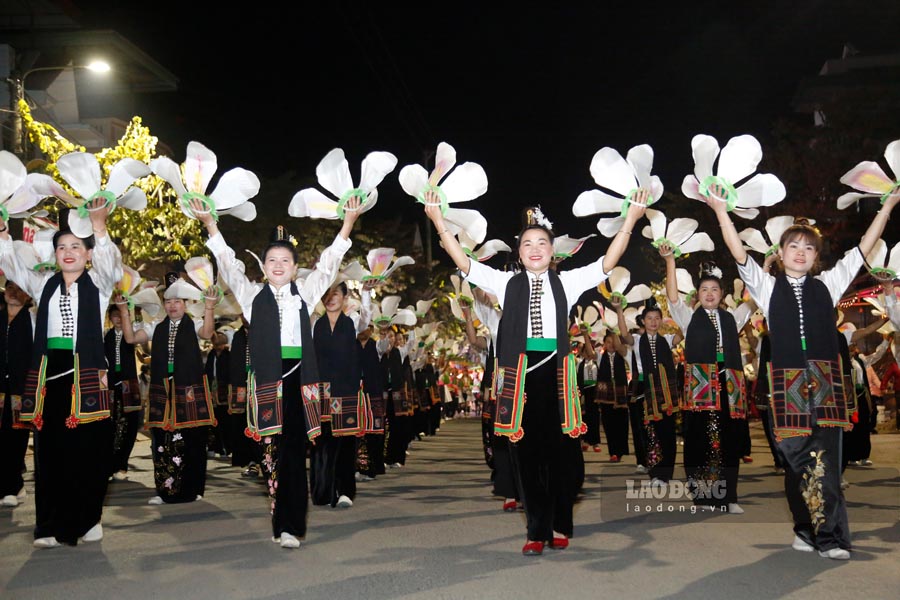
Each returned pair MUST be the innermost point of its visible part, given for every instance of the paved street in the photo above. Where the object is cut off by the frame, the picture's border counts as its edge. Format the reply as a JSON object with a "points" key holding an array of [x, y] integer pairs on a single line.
{"points": [[432, 530]]}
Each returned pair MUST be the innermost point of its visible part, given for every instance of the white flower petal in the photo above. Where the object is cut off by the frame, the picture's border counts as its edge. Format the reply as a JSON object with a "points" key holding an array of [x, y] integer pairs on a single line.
{"points": [[166, 168], [235, 187], [371, 201], [739, 158], [698, 242], [81, 227], [641, 160], [12, 174], [199, 167], [404, 317], [610, 227], [413, 179], [29, 194], [124, 173], [467, 182], [754, 240], [470, 221], [746, 213], [81, 171], [892, 156], [200, 270], [375, 167], [618, 279], [657, 223], [656, 188], [333, 173], [133, 199], [244, 212], [565, 246], [647, 232], [763, 189], [776, 226], [312, 203], [851, 198], [868, 176], [894, 260], [610, 171], [877, 254], [705, 149], [685, 281], [638, 293], [389, 305], [592, 202], [690, 187], [444, 160], [681, 229], [401, 261], [491, 248]]}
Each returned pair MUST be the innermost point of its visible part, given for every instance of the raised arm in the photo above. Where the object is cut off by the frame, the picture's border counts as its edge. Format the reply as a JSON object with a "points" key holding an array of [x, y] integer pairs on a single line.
{"points": [[876, 227], [729, 233], [448, 240], [231, 270], [874, 326], [210, 299], [323, 276], [671, 279], [471, 335], [128, 333], [617, 248], [589, 350], [626, 336], [106, 260]]}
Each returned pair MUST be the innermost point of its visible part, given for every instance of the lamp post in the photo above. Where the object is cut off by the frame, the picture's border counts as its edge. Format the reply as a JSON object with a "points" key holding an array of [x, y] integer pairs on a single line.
{"points": [[17, 93]]}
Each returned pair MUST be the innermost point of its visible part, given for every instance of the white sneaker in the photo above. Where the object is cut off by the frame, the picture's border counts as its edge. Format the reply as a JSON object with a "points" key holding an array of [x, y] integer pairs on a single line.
{"points": [[289, 541], [155, 500], [199, 497], [120, 476], [344, 502], [10, 501], [395, 466], [94, 534], [835, 553], [46, 542], [735, 509], [801, 545], [844, 483], [642, 470], [867, 463]]}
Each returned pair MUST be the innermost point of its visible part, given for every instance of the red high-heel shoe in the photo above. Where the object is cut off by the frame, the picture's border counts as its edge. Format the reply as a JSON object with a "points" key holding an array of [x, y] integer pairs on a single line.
{"points": [[533, 548], [509, 506]]}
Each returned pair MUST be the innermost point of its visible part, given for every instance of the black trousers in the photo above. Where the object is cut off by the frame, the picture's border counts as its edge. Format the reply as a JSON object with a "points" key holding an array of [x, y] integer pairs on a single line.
{"points": [[636, 419], [591, 416], [506, 477], [770, 437], [664, 430], [399, 428], [798, 455], [712, 455], [615, 426], [221, 437], [126, 429], [287, 453], [13, 446], [545, 458], [244, 449], [179, 463], [375, 450], [332, 468], [72, 466]]}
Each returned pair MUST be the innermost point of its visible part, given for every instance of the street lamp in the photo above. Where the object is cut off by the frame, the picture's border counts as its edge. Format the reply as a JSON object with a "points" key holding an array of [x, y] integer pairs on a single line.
{"points": [[17, 93]]}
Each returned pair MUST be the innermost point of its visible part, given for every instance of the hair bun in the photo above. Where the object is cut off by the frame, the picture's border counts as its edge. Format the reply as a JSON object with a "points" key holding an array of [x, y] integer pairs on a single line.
{"points": [[709, 269]]}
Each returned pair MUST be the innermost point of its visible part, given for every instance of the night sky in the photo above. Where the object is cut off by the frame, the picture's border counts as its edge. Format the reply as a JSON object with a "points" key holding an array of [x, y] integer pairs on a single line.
{"points": [[528, 93]]}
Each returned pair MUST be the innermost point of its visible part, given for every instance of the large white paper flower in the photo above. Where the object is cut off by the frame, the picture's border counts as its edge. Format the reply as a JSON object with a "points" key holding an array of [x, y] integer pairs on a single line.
{"points": [[624, 177], [467, 182], [389, 313], [617, 284], [421, 309], [686, 287], [869, 178], [333, 174], [681, 234], [145, 298], [380, 265], [589, 317], [611, 319], [737, 161], [82, 172], [875, 260], [488, 250], [19, 189], [754, 240], [566, 247], [190, 180]]}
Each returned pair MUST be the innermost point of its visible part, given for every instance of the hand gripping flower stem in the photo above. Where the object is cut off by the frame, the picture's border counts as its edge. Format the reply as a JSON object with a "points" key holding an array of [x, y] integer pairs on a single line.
{"points": [[619, 307], [665, 250], [589, 351], [128, 333]]}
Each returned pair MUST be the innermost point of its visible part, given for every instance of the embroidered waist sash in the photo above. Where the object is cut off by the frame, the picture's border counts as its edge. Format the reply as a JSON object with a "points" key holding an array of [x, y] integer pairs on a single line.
{"points": [[659, 395], [130, 391], [703, 389], [798, 392], [90, 396], [174, 407], [237, 399], [347, 414]]}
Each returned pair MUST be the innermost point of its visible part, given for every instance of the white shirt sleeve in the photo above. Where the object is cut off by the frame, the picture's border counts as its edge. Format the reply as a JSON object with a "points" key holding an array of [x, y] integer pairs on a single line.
{"points": [[318, 282], [759, 283], [681, 314], [231, 270], [106, 270], [742, 314], [490, 280], [877, 354], [365, 311], [838, 278], [578, 281], [30, 281]]}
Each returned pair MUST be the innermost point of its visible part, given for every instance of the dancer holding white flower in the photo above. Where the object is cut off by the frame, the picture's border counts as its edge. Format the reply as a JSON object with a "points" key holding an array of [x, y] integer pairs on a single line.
{"points": [[283, 392], [534, 361], [808, 404]]}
